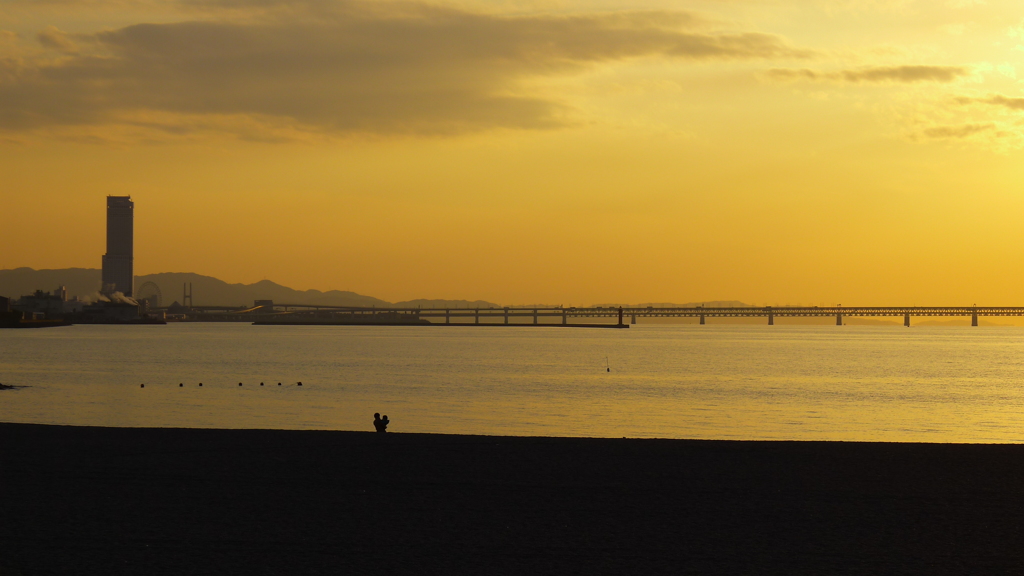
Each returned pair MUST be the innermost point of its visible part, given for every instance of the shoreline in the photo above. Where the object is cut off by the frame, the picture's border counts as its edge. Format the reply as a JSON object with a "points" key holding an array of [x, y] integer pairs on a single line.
{"points": [[510, 437], [505, 436], [214, 501]]}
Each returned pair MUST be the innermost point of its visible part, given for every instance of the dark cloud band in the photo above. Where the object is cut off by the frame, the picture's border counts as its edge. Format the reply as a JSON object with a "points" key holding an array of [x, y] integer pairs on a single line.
{"points": [[345, 67]]}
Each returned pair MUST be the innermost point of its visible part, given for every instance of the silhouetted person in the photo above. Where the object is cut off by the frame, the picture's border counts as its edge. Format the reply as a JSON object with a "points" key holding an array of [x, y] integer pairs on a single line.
{"points": [[379, 424], [384, 423]]}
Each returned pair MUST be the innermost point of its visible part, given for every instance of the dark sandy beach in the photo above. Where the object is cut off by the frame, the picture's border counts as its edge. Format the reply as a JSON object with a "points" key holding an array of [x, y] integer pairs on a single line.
{"points": [[162, 501]]}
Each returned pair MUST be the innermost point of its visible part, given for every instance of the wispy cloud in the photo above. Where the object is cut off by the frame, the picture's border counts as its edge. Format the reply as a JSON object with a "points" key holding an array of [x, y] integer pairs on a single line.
{"points": [[56, 39], [1009, 102], [874, 75], [965, 3], [349, 67], [8, 38], [958, 131]]}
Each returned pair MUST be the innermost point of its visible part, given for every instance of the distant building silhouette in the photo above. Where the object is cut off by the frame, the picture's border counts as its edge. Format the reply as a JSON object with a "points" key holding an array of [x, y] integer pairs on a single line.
{"points": [[49, 305], [118, 262]]}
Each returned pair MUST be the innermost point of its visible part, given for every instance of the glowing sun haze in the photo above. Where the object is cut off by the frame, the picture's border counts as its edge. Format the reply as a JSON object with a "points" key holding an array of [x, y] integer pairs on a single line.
{"points": [[814, 152]]}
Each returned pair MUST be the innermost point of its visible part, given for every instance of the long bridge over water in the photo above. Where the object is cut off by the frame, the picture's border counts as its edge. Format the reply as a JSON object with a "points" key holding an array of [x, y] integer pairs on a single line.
{"points": [[273, 313]]}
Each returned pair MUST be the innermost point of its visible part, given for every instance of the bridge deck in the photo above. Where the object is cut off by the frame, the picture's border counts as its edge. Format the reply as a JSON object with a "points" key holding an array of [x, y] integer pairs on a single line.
{"points": [[582, 312], [307, 313]]}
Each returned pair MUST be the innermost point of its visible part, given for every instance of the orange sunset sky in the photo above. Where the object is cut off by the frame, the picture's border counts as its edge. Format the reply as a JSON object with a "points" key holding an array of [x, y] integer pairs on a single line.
{"points": [[867, 152]]}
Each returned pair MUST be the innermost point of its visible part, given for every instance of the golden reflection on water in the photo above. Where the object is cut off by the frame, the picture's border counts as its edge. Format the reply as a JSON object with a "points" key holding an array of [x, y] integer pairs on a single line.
{"points": [[727, 382]]}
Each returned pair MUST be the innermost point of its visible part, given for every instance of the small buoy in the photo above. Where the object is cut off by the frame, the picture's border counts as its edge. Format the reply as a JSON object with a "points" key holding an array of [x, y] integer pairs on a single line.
{"points": [[278, 383], [300, 383], [261, 383], [142, 386], [200, 383], [239, 383], [180, 384], [609, 369]]}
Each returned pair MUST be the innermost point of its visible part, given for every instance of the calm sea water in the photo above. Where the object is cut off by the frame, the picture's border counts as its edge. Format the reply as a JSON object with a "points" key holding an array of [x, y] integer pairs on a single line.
{"points": [[683, 381]]}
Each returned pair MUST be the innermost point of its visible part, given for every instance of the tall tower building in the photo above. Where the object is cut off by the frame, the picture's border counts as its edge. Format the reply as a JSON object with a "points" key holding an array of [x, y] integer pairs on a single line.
{"points": [[118, 262]]}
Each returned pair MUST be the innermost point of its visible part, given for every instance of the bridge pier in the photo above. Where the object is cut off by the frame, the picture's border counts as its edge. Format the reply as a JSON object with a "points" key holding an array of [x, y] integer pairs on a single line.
{"points": [[906, 319], [701, 319], [839, 319], [974, 317], [477, 315], [620, 316], [506, 315], [447, 316], [634, 319], [771, 317], [535, 317], [565, 318]]}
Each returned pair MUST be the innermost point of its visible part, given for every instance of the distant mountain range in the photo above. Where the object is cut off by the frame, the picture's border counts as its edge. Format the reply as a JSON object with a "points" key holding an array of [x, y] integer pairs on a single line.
{"points": [[210, 291], [206, 290]]}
